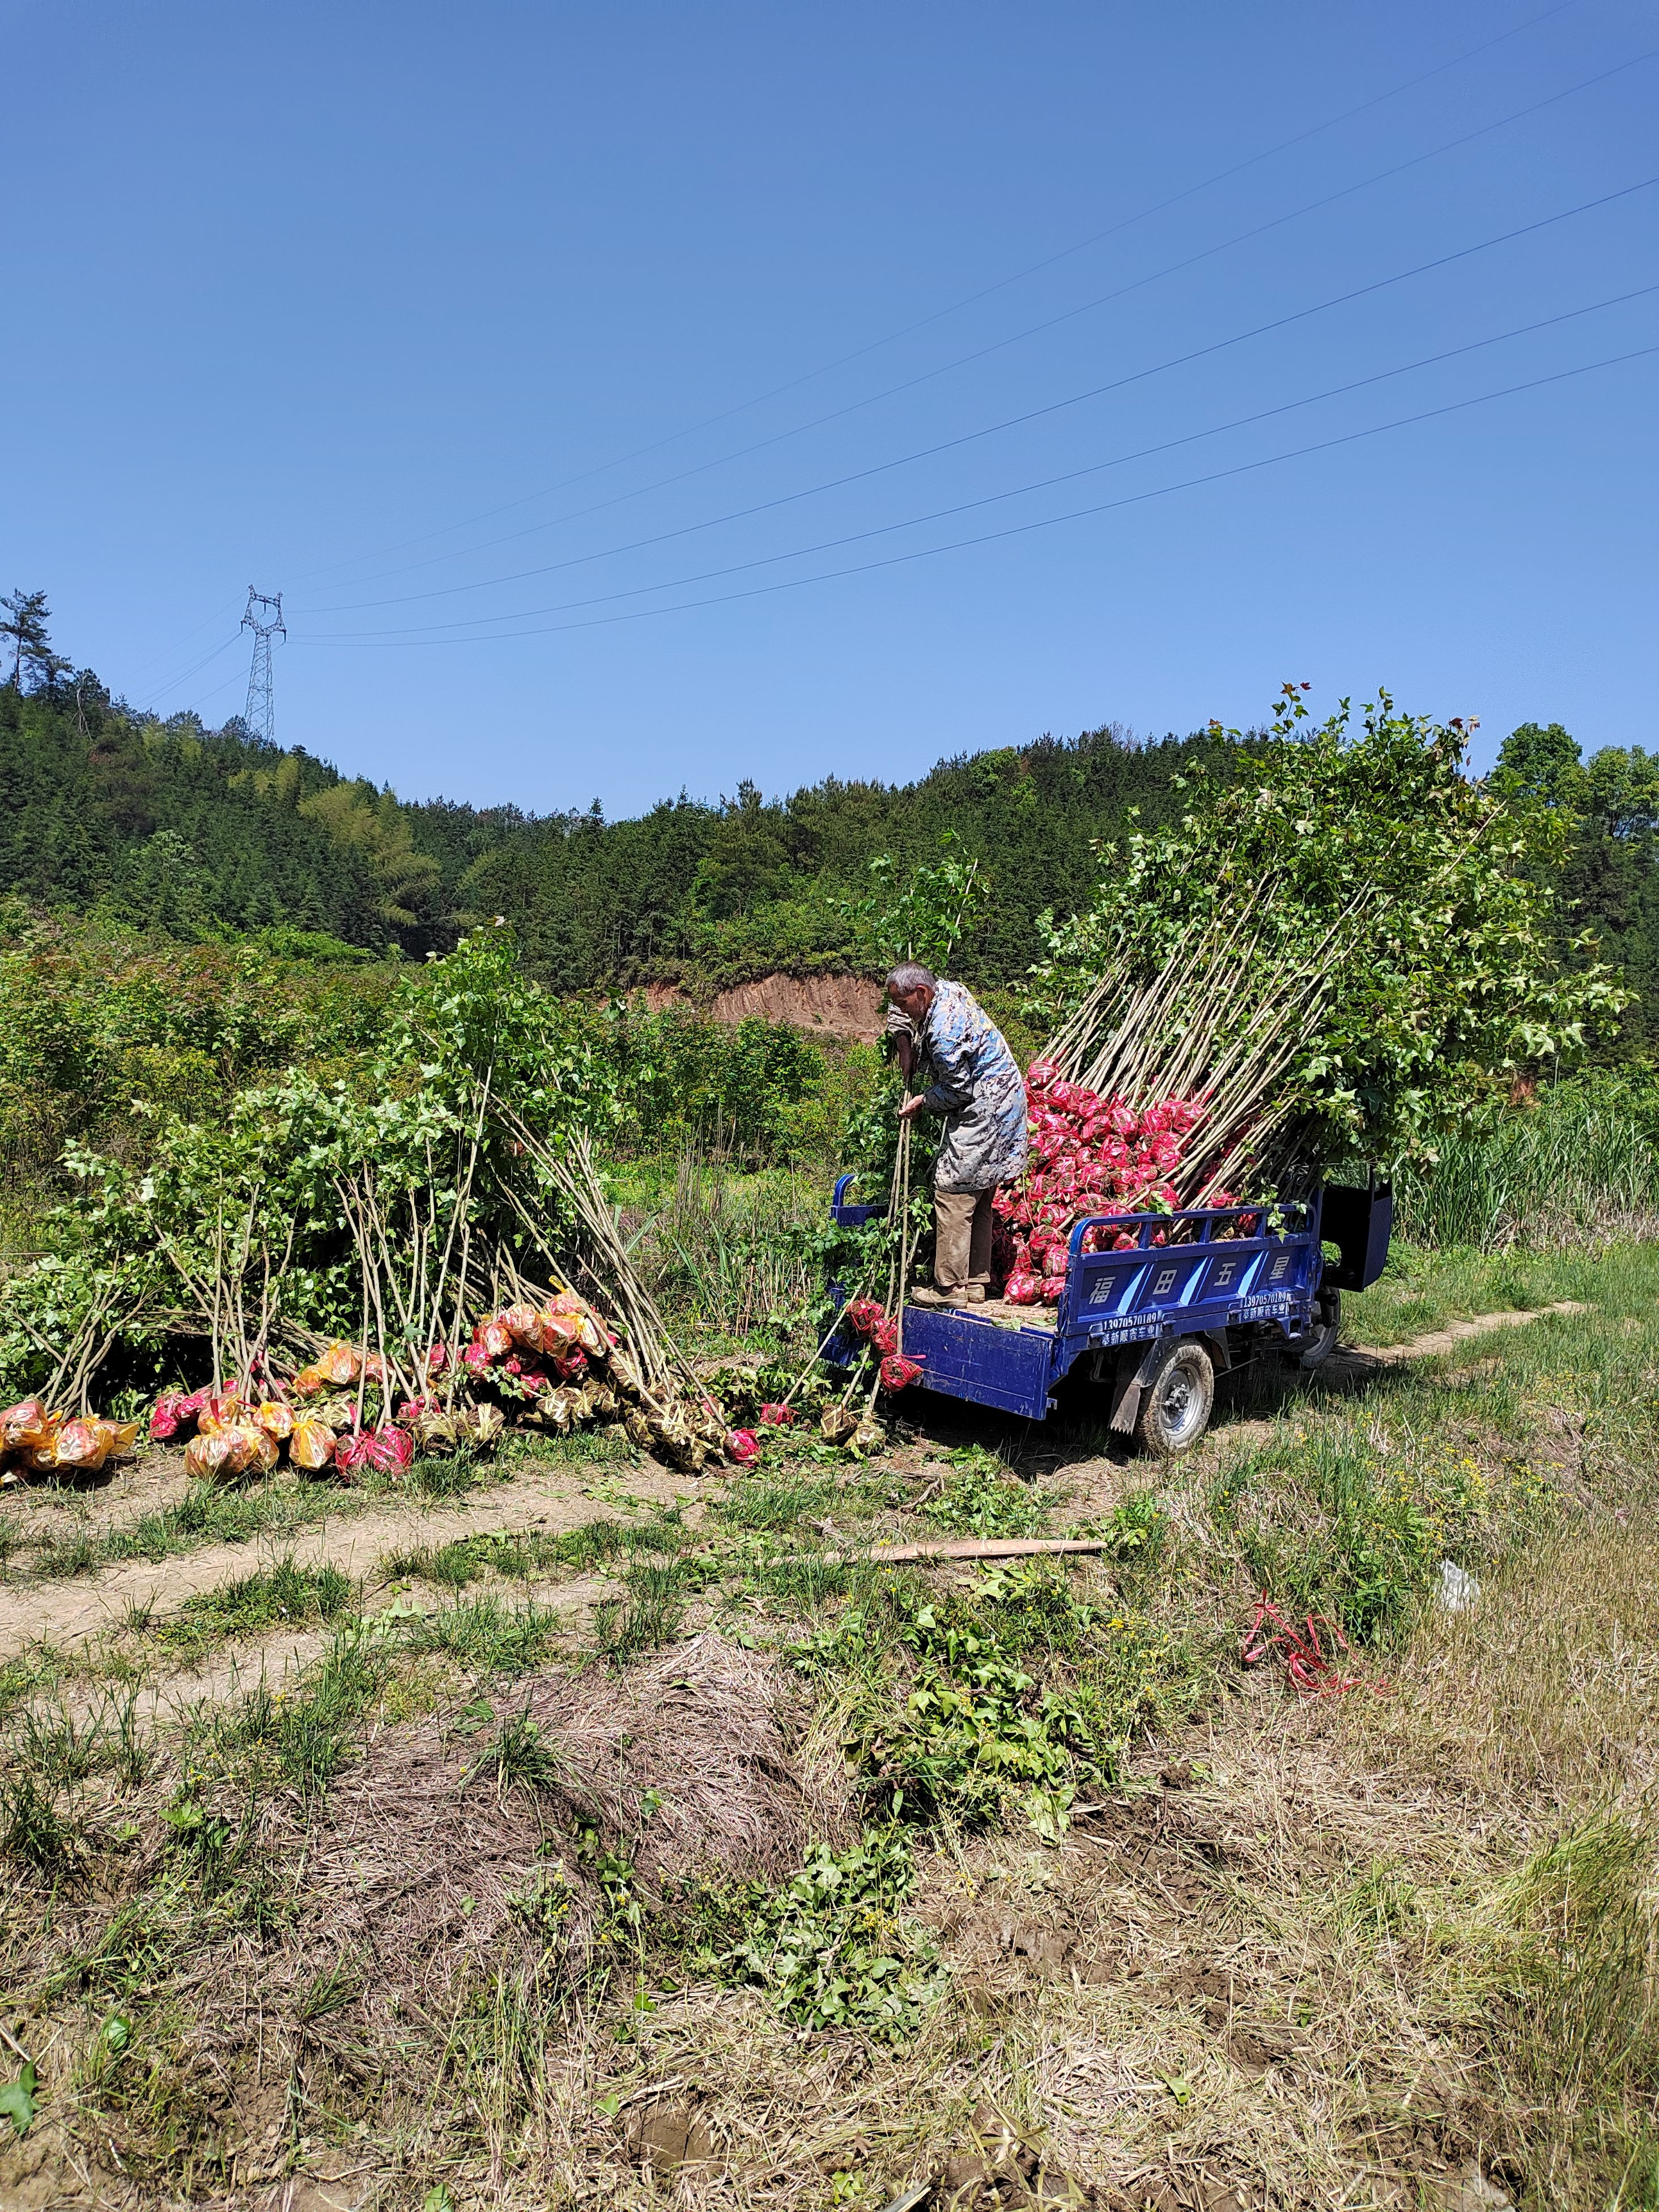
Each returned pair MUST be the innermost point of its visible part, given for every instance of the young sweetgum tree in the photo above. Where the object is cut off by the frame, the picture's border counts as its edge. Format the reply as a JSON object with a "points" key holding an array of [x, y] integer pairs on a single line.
{"points": [[1359, 848]]}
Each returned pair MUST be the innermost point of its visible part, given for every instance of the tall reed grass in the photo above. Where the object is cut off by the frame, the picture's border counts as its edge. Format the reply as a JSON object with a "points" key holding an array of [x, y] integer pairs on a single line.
{"points": [[733, 1253], [1575, 1165]]}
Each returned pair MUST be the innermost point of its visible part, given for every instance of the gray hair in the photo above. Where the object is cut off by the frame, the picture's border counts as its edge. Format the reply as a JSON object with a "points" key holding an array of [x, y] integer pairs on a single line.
{"points": [[910, 976]]}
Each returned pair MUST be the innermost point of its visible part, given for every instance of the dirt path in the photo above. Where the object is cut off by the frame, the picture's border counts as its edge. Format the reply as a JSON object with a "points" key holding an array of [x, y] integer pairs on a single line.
{"points": [[1355, 1358], [66, 1613]]}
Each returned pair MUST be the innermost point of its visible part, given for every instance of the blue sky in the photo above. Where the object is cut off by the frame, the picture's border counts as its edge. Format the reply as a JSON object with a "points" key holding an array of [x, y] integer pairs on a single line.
{"points": [[430, 317]]}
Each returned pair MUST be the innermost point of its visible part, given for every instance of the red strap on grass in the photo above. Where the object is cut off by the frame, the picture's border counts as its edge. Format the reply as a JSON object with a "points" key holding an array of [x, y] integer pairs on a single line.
{"points": [[1309, 1666]]}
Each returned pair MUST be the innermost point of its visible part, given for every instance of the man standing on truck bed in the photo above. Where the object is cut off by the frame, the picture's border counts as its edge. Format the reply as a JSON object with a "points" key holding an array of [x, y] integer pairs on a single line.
{"points": [[978, 1088]]}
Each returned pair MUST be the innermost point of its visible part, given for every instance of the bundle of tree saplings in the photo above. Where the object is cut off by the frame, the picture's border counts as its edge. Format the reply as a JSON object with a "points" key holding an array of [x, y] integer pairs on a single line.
{"points": [[1343, 948], [554, 1366], [35, 1442], [322, 1255], [561, 1365]]}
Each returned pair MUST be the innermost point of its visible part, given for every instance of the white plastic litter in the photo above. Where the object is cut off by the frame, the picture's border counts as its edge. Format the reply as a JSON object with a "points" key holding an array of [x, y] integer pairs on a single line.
{"points": [[1458, 1590]]}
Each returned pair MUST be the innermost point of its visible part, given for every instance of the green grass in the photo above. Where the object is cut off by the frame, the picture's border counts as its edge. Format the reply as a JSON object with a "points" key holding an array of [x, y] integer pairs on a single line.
{"points": [[284, 1595], [533, 1552], [491, 1640], [206, 1514], [519, 1757], [732, 1256], [1420, 1290], [649, 1615], [800, 1582], [25, 1677], [209, 1513], [1578, 1162], [761, 1501], [1349, 1505], [301, 1738]]}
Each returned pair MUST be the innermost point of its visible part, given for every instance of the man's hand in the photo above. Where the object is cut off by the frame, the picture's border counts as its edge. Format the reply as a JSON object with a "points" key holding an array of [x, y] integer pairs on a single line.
{"points": [[912, 1107]]}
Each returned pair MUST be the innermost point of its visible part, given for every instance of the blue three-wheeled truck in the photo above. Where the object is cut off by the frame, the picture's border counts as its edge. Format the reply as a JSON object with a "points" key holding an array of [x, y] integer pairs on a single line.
{"points": [[1194, 1295]]}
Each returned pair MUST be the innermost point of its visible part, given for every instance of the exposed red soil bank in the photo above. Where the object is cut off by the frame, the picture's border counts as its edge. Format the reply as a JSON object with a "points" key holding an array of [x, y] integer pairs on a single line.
{"points": [[841, 1005]]}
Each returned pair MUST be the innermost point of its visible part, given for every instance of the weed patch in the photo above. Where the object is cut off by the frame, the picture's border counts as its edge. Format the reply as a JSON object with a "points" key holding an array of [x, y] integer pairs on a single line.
{"points": [[1335, 1521], [650, 1615], [981, 1498], [283, 1595], [774, 1502], [1001, 1699], [489, 1639], [521, 1554], [833, 1948]]}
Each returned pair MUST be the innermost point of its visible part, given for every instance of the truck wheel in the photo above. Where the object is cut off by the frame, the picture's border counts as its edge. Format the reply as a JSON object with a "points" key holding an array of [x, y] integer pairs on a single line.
{"points": [[1324, 1326], [1175, 1406]]}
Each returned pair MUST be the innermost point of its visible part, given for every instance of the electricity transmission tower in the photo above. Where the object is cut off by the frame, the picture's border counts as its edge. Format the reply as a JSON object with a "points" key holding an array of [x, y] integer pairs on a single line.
{"points": [[263, 616]]}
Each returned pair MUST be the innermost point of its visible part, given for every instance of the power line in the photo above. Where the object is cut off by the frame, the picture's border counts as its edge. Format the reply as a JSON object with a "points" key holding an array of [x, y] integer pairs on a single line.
{"points": [[955, 307], [160, 692], [1025, 529], [1018, 491], [1009, 422], [1105, 299], [172, 653]]}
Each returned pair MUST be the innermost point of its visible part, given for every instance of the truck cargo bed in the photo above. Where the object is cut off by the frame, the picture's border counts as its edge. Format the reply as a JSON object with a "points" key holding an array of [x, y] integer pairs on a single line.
{"points": [[1239, 1280]]}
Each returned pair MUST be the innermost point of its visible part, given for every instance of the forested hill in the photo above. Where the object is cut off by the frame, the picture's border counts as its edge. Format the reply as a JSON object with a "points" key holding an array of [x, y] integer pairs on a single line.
{"points": [[203, 834], [193, 831]]}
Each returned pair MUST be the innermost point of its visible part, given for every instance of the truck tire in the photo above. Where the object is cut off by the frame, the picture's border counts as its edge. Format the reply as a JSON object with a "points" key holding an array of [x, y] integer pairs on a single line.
{"points": [[1177, 1403], [1324, 1326]]}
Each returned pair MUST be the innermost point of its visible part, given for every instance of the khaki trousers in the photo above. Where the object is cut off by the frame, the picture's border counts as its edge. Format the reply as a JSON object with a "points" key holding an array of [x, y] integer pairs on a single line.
{"points": [[962, 1239]]}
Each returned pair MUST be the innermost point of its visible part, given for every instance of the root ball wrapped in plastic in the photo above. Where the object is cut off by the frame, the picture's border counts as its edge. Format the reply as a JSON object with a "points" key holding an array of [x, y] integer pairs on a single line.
{"points": [[350, 1453], [275, 1418], [554, 1407], [482, 1426], [390, 1449], [81, 1447], [208, 1456], [523, 1324], [863, 1314], [220, 1410], [311, 1446], [436, 1431], [898, 1373], [625, 1376], [27, 1426], [164, 1417], [254, 1449], [341, 1363], [493, 1337]]}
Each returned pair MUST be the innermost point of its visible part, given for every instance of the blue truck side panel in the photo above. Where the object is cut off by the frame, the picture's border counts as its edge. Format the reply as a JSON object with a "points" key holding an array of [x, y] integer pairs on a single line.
{"points": [[1193, 1273]]}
